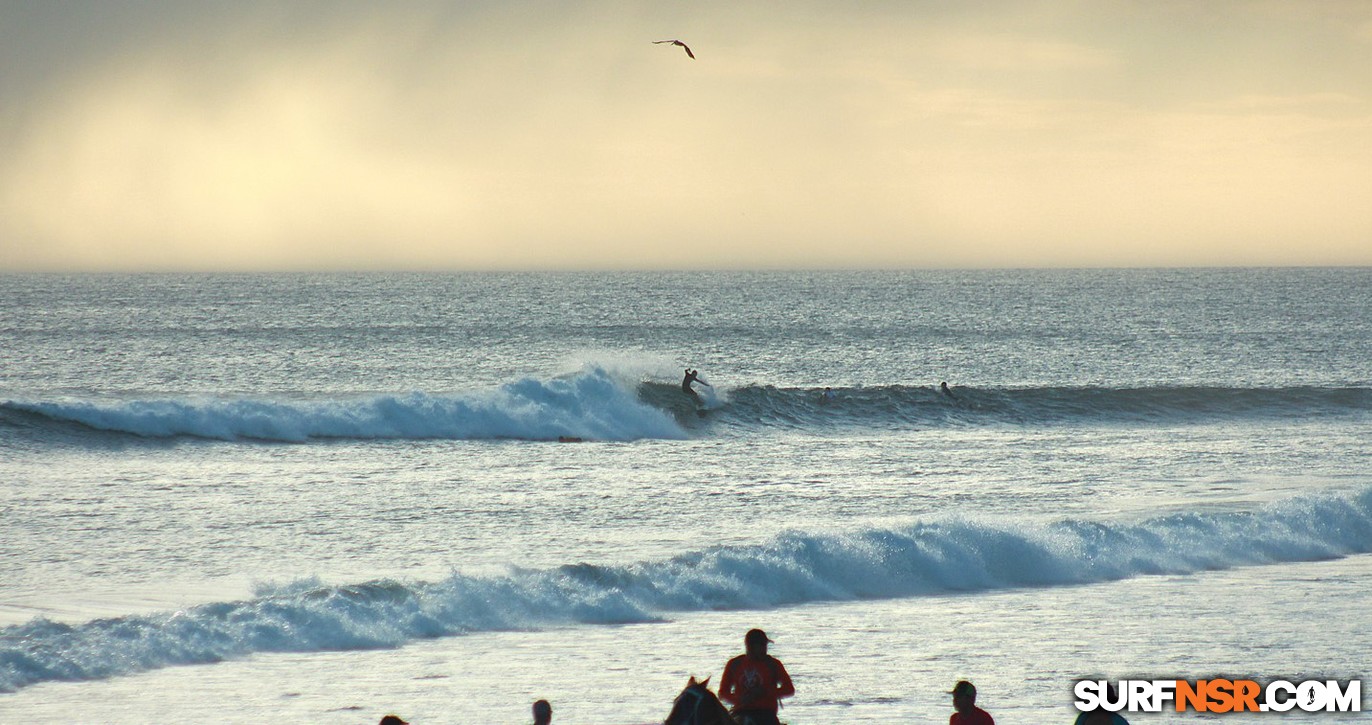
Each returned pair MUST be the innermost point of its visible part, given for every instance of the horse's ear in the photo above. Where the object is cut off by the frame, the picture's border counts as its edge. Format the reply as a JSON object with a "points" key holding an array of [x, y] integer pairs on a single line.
{"points": [[705, 682], [692, 683]]}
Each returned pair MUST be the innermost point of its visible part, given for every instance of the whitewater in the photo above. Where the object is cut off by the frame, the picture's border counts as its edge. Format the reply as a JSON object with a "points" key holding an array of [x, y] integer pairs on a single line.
{"points": [[325, 498]]}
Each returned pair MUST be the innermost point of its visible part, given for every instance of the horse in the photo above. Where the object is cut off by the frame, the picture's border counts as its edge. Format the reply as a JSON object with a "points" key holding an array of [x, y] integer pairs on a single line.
{"points": [[696, 705]]}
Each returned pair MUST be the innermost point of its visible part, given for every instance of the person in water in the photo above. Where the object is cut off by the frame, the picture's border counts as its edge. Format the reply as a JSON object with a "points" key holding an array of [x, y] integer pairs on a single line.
{"points": [[965, 702], [692, 376], [827, 396], [543, 713], [943, 388], [755, 681]]}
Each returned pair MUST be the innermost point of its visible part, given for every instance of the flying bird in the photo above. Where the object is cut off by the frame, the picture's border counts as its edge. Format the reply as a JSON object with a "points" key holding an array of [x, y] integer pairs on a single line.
{"points": [[677, 42]]}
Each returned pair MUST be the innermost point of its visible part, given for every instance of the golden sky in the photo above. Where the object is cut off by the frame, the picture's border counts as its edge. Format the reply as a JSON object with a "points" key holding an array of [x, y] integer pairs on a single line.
{"points": [[419, 134]]}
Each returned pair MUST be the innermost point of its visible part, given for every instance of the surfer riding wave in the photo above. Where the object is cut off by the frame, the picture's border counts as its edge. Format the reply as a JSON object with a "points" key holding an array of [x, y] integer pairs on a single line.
{"points": [[692, 376]]}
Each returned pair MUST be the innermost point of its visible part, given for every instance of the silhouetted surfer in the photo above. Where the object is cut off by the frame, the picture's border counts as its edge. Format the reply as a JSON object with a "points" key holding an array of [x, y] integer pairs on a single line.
{"points": [[943, 388], [691, 377]]}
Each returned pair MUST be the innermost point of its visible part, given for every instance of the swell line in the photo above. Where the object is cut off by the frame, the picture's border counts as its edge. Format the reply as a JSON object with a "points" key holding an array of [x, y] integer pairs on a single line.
{"points": [[596, 405]]}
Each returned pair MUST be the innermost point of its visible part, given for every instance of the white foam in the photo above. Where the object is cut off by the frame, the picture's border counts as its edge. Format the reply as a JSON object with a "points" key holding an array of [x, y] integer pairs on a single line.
{"points": [[591, 404], [927, 557]]}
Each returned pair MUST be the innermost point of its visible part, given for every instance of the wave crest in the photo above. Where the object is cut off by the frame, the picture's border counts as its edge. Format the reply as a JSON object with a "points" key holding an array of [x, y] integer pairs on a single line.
{"points": [[590, 405], [924, 558], [597, 405]]}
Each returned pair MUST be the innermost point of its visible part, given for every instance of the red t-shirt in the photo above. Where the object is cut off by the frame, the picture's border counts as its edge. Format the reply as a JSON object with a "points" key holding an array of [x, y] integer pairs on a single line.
{"points": [[755, 684], [977, 716]]}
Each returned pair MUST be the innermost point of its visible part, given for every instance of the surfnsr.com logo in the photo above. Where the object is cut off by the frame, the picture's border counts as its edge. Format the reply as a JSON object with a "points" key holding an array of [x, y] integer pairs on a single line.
{"points": [[1219, 695]]}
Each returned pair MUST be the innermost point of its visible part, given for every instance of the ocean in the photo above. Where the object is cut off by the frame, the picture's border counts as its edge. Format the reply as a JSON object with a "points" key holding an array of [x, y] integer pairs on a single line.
{"points": [[328, 497]]}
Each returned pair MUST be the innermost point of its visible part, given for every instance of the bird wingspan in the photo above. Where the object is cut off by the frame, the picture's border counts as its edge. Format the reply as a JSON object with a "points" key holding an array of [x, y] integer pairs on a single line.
{"points": [[677, 42]]}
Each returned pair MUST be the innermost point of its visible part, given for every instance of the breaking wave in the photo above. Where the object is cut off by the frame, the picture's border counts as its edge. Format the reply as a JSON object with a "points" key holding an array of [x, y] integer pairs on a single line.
{"points": [[590, 405], [924, 558], [597, 405]]}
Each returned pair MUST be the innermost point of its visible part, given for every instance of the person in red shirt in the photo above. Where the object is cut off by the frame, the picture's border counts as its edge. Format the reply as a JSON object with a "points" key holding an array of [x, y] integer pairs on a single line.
{"points": [[754, 682], [965, 702]]}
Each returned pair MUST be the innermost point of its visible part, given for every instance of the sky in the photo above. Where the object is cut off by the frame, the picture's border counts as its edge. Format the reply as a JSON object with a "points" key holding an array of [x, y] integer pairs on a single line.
{"points": [[149, 135]]}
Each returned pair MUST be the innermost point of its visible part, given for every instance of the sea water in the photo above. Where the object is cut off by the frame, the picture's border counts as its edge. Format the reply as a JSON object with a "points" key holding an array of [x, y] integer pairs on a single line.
{"points": [[324, 498]]}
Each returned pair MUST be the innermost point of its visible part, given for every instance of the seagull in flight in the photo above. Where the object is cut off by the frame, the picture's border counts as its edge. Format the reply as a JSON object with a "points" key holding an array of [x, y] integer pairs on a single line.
{"points": [[677, 42]]}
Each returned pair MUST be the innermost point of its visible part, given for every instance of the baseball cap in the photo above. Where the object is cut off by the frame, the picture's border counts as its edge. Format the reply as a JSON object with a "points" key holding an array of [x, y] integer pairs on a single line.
{"points": [[964, 688], [756, 635]]}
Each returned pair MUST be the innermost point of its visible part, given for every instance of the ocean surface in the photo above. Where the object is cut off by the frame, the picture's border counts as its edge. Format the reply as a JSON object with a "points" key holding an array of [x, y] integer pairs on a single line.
{"points": [[325, 498]]}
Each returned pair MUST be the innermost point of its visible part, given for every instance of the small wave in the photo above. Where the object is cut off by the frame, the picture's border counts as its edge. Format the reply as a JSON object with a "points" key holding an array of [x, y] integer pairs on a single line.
{"points": [[903, 405], [924, 558]]}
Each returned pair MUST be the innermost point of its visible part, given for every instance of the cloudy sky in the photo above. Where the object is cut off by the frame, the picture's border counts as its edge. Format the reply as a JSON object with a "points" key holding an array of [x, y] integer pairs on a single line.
{"points": [[480, 134]]}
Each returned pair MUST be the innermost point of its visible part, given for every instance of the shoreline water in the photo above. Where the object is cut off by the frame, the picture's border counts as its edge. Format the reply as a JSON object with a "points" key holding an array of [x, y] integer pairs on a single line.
{"points": [[841, 656]]}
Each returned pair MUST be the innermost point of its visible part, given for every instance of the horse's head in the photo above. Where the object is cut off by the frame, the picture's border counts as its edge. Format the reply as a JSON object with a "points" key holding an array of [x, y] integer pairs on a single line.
{"points": [[696, 705]]}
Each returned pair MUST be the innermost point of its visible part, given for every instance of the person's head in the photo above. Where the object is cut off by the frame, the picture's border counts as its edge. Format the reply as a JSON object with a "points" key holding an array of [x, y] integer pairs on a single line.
{"points": [[393, 720], [755, 642], [543, 713], [964, 696]]}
